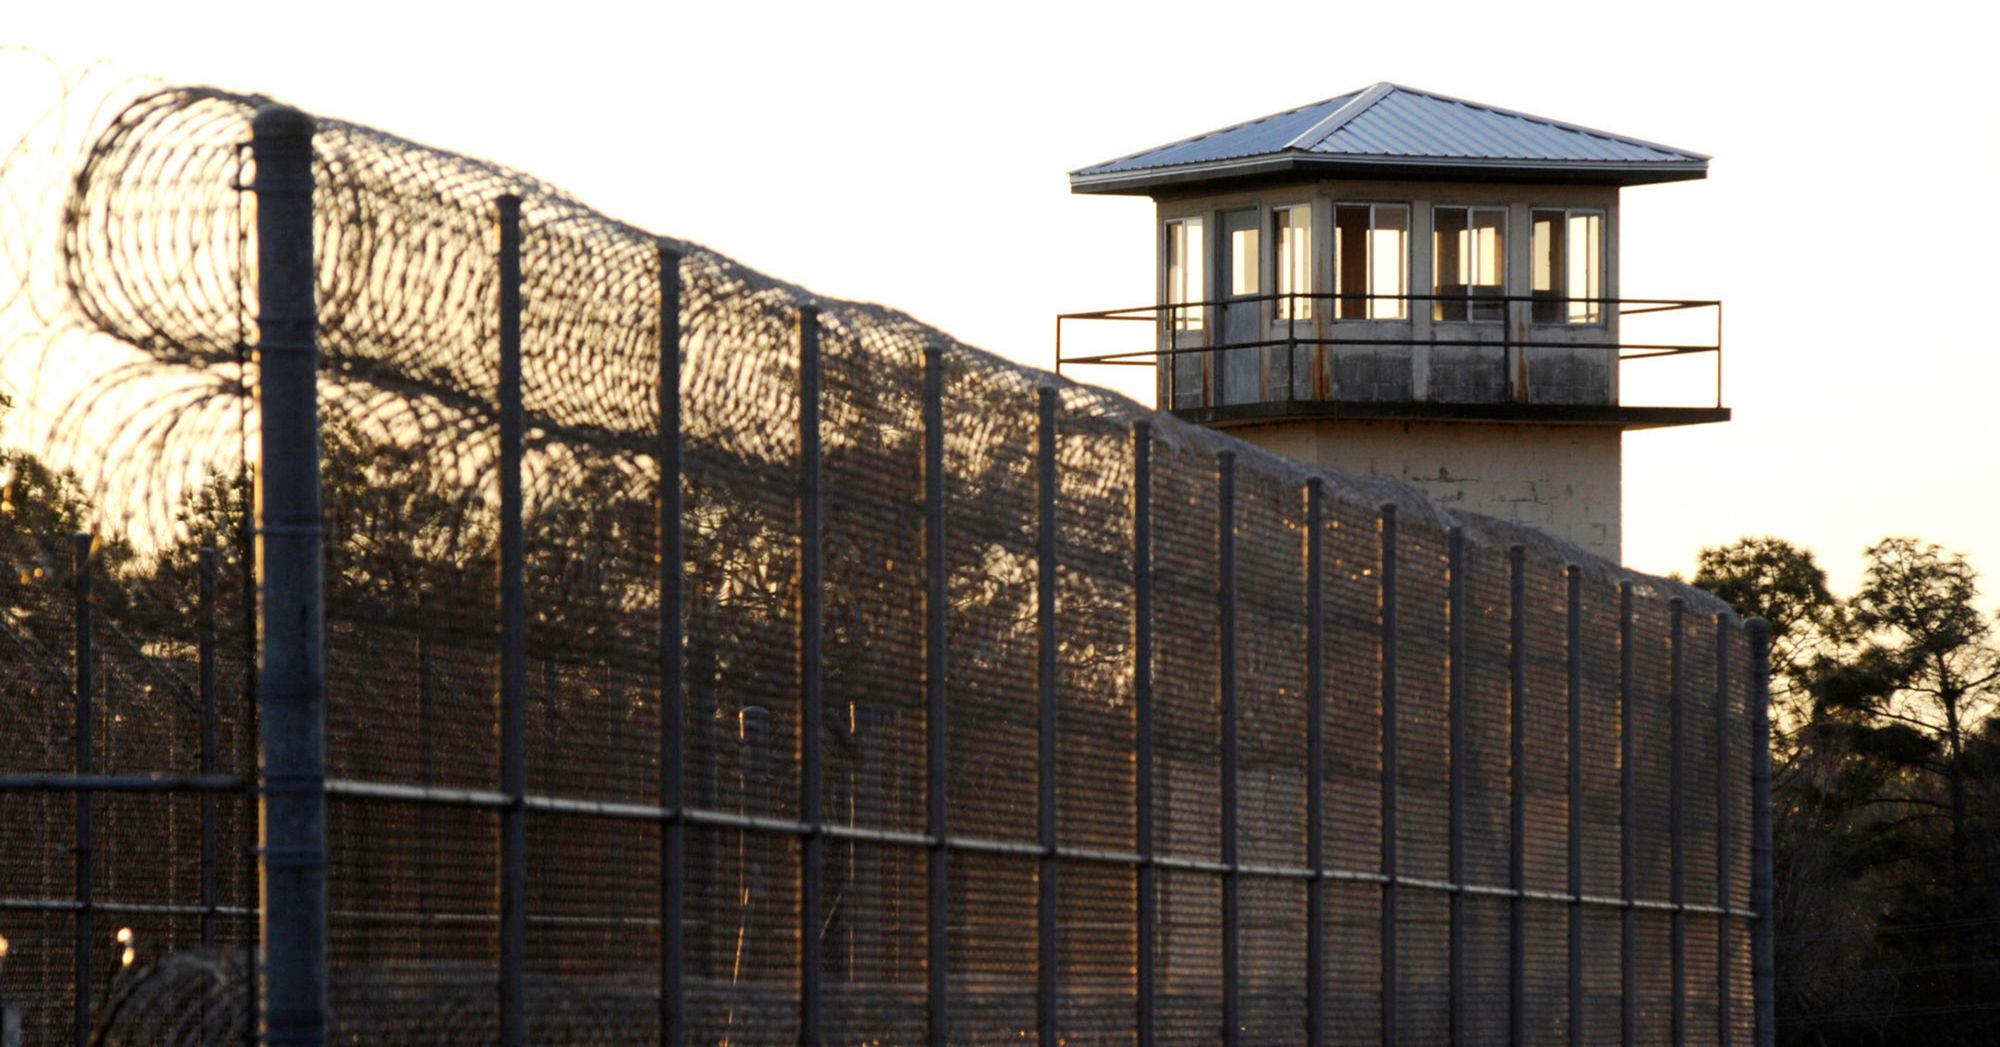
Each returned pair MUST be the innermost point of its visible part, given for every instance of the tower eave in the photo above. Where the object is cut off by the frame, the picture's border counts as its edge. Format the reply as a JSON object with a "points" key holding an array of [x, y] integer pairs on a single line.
{"points": [[1222, 174]]}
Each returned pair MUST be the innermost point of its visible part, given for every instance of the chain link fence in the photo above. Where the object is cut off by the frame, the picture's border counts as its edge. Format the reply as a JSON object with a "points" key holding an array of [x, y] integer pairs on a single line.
{"points": [[646, 650]]}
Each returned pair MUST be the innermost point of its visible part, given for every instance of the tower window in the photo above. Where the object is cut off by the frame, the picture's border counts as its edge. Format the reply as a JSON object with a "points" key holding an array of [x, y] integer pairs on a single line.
{"points": [[1371, 248], [1471, 253], [1184, 274], [1291, 244], [1568, 249]]}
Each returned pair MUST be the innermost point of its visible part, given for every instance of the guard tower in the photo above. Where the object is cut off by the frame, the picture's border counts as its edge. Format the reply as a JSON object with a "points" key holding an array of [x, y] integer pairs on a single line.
{"points": [[1396, 282]]}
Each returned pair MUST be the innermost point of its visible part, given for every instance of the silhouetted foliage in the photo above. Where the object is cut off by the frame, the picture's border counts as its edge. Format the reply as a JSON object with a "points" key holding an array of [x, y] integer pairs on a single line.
{"points": [[1886, 792]]}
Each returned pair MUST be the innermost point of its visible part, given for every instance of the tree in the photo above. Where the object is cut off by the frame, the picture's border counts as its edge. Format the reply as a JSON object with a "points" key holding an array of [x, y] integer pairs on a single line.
{"points": [[1784, 584], [1921, 681], [41, 510], [1918, 693], [1887, 784]]}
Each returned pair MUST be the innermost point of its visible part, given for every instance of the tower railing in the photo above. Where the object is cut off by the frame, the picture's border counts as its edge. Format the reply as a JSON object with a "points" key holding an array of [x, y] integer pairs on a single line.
{"points": [[1301, 334]]}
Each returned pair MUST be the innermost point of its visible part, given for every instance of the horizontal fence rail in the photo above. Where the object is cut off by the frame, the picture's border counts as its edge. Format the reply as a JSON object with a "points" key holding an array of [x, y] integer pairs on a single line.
{"points": [[705, 662], [501, 801]]}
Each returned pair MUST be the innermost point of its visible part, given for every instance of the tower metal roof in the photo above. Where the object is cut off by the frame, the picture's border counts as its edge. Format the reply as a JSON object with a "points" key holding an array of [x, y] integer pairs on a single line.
{"points": [[1393, 131]]}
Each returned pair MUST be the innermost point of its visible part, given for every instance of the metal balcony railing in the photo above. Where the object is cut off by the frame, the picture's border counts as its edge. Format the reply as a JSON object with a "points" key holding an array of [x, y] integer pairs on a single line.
{"points": [[1298, 331]]}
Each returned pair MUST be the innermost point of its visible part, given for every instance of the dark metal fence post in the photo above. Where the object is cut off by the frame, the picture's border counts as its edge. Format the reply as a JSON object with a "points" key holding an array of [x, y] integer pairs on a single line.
{"points": [[1676, 824], [1517, 792], [1147, 916], [1455, 697], [1628, 835], [428, 862], [1389, 770], [1573, 684], [86, 716], [205, 694], [1232, 911], [292, 675], [673, 663], [1315, 765], [513, 646], [811, 694], [250, 860], [937, 734], [1763, 926], [1725, 842], [1047, 980]]}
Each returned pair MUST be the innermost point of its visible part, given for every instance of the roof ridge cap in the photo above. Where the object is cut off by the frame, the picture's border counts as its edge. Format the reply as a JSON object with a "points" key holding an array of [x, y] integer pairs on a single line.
{"points": [[1334, 121]]}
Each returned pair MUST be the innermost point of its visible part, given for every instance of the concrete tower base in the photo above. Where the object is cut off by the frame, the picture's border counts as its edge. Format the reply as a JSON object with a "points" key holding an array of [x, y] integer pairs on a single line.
{"points": [[1563, 479]]}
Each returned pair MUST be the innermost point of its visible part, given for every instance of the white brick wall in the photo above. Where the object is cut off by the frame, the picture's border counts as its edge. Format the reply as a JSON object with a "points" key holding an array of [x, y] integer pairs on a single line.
{"points": [[1563, 479]]}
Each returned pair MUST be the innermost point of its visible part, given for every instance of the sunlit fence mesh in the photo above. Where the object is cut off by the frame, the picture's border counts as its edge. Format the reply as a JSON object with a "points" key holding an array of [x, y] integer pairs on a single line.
{"points": [[1529, 803]]}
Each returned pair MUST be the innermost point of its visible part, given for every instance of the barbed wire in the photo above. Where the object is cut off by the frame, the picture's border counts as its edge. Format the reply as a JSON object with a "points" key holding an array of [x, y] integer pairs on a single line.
{"points": [[156, 251]]}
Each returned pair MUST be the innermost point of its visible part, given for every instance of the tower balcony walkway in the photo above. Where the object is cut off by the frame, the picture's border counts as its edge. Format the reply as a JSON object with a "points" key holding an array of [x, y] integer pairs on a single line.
{"points": [[1471, 357]]}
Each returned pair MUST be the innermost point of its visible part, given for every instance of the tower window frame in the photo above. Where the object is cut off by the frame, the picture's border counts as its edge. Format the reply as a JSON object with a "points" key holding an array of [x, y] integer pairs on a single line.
{"points": [[1384, 290], [1555, 266], [1187, 265], [1292, 262], [1478, 253]]}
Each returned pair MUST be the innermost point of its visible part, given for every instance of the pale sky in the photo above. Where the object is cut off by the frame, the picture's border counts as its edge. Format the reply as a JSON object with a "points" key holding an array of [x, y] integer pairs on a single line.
{"points": [[916, 156]]}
